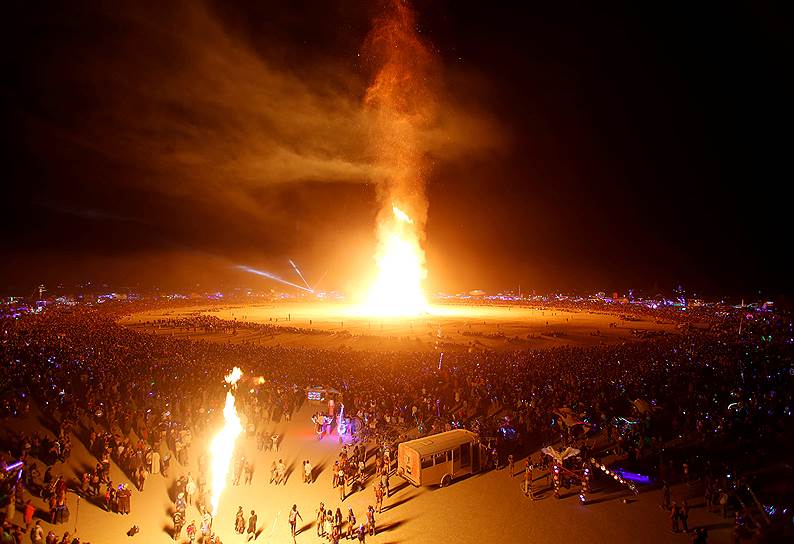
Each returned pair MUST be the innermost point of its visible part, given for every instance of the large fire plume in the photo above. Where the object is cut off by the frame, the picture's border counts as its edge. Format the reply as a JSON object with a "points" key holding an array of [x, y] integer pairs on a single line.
{"points": [[222, 445], [397, 289], [402, 101]]}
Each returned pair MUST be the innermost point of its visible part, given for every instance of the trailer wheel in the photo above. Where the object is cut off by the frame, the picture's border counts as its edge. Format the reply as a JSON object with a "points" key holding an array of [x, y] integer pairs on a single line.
{"points": [[445, 480]]}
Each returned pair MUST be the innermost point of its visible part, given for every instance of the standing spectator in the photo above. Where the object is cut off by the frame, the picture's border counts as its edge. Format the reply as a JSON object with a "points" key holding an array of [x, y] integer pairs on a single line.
{"points": [[675, 514], [37, 533], [724, 503], [321, 520], [338, 520], [384, 480], [707, 494], [94, 483], [351, 523], [124, 495], [528, 481], [665, 497], [11, 510], [252, 525], [30, 510], [190, 489], [238, 470], [371, 520], [685, 515], [110, 496], [166, 463], [293, 519], [239, 521], [141, 478], [328, 528], [179, 520], [154, 461], [180, 504], [248, 469], [85, 484], [206, 523], [378, 497], [281, 472]]}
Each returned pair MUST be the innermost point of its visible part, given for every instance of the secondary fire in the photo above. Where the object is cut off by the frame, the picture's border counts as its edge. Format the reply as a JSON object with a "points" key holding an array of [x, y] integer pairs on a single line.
{"points": [[222, 445], [402, 102]]}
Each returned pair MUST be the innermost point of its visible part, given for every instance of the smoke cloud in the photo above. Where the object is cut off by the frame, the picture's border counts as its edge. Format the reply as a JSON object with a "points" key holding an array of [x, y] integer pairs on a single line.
{"points": [[195, 104], [179, 102], [183, 96]]}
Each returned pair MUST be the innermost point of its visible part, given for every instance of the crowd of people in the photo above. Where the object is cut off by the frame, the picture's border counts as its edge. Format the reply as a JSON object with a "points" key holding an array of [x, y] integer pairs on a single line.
{"points": [[97, 381], [211, 324]]}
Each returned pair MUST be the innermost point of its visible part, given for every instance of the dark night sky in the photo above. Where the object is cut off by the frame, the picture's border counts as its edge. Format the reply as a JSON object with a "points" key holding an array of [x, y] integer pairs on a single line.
{"points": [[584, 147]]}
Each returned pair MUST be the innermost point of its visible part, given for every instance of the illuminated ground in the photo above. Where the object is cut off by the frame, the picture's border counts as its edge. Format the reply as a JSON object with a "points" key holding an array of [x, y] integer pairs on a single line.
{"points": [[447, 327], [485, 508]]}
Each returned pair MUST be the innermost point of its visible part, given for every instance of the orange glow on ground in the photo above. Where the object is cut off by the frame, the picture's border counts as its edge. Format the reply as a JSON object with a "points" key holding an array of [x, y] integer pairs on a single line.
{"points": [[447, 326]]}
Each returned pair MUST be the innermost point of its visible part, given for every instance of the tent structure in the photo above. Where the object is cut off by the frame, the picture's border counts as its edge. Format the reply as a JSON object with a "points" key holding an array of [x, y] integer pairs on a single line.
{"points": [[559, 470], [562, 455]]}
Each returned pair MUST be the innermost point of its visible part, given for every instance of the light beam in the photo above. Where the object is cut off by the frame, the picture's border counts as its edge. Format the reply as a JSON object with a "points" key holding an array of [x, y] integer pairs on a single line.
{"points": [[272, 277], [295, 267], [320, 280]]}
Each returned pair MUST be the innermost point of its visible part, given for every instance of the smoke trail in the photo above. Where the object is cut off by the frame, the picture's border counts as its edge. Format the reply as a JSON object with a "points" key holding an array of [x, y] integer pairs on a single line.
{"points": [[403, 98]]}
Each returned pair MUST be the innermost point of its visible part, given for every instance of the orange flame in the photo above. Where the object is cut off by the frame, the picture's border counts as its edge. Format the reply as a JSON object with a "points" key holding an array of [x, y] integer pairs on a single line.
{"points": [[397, 290], [222, 445]]}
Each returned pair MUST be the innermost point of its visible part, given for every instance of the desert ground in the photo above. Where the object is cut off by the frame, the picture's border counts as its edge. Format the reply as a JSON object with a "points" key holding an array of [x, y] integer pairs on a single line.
{"points": [[489, 507], [445, 327]]}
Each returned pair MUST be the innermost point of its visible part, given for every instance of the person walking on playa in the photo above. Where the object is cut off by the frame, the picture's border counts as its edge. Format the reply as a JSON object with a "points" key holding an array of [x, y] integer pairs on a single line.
{"points": [[252, 526], [294, 515]]}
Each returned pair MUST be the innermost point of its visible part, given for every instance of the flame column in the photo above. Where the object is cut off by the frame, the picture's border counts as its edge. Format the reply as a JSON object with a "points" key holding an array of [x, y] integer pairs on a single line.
{"points": [[222, 445]]}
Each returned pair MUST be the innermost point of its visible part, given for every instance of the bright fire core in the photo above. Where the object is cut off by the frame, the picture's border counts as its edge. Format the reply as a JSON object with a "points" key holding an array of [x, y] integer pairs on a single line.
{"points": [[397, 290], [222, 446]]}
